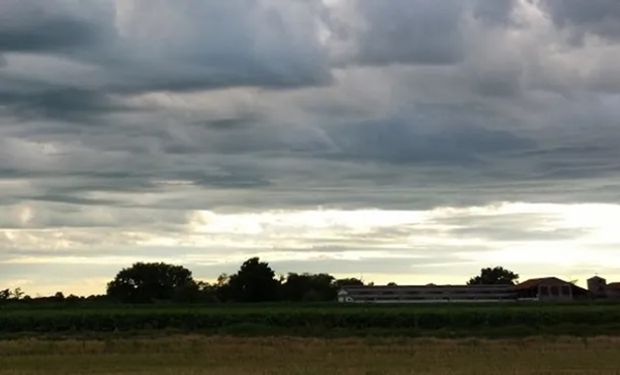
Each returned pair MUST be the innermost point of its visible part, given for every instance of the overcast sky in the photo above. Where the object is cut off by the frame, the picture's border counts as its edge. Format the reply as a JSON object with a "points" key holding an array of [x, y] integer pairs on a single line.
{"points": [[412, 141]]}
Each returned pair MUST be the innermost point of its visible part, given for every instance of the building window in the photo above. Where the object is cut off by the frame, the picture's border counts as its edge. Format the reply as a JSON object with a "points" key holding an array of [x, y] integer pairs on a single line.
{"points": [[566, 290], [544, 291]]}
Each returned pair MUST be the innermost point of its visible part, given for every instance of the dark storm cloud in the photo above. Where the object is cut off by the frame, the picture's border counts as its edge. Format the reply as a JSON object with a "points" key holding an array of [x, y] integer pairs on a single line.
{"points": [[52, 26], [62, 103], [180, 46], [410, 31], [580, 18], [495, 12], [425, 108], [415, 140]]}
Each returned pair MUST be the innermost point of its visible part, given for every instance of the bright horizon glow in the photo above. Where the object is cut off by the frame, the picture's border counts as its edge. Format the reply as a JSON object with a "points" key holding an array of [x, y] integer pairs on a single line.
{"points": [[442, 245]]}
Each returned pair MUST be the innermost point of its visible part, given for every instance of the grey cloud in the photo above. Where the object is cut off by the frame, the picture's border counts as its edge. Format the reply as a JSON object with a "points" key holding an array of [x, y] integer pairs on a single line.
{"points": [[410, 32], [497, 13], [511, 227], [42, 215], [155, 45], [456, 142], [418, 32], [59, 103], [580, 18], [213, 44], [53, 26], [420, 140]]}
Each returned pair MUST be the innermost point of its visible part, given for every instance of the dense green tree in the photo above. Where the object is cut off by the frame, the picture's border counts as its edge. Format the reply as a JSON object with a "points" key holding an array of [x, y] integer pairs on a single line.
{"points": [[309, 287], [254, 282], [222, 288], [494, 276], [147, 282]]}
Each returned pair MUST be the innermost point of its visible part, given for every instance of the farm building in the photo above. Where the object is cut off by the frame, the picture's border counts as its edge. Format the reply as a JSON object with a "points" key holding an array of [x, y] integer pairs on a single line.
{"points": [[599, 288], [426, 293], [549, 289]]}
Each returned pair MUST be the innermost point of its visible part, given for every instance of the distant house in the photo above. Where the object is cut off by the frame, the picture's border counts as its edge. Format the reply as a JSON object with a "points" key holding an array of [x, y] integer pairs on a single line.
{"points": [[599, 288], [550, 289]]}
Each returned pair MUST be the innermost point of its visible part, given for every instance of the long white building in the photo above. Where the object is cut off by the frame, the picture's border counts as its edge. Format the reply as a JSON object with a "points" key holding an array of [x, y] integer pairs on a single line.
{"points": [[426, 293]]}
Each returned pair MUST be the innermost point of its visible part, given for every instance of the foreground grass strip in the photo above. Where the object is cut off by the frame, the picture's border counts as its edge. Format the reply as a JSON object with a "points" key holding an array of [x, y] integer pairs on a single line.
{"points": [[282, 355], [321, 321]]}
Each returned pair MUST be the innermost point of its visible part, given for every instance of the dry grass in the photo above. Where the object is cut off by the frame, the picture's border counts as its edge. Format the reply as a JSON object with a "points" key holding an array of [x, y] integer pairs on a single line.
{"points": [[227, 356]]}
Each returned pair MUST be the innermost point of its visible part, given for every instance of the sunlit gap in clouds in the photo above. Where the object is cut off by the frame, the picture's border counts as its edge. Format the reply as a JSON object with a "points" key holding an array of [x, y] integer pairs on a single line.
{"points": [[441, 245]]}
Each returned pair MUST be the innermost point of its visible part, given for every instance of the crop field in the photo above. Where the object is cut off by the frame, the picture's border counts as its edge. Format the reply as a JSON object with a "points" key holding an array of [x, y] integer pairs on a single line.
{"points": [[193, 354], [319, 320], [310, 339]]}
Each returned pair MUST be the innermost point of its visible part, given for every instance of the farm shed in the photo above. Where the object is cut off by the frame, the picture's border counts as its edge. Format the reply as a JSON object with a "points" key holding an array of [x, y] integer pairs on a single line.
{"points": [[550, 289], [426, 293]]}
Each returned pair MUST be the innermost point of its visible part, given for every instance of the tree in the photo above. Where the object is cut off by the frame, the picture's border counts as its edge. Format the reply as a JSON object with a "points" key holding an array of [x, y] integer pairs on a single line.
{"points": [[147, 282], [494, 276], [254, 282], [349, 282], [18, 293], [14, 294], [207, 292], [59, 296], [222, 288], [309, 287]]}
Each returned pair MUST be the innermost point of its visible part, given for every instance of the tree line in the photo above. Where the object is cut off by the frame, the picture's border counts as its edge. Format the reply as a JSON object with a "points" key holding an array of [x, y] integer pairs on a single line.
{"points": [[255, 281]]}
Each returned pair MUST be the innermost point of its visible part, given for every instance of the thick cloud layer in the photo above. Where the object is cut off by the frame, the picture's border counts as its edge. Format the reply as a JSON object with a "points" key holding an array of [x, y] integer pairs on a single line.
{"points": [[128, 117]]}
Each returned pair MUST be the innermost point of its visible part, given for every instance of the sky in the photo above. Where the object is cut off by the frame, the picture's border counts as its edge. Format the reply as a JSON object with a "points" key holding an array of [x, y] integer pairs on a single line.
{"points": [[412, 141]]}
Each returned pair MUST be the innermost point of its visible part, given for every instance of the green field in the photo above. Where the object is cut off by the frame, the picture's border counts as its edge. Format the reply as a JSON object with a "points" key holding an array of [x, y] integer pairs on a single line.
{"points": [[310, 339], [328, 320], [194, 354]]}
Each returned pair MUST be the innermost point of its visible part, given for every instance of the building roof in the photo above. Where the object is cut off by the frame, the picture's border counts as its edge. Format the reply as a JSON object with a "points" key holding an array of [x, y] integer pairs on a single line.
{"points": [[534, 283], [613, 285], [596, 278]]}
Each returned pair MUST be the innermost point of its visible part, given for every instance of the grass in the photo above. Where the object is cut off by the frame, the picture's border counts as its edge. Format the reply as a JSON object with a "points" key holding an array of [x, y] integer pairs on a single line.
{"points": [[193, 354]]}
